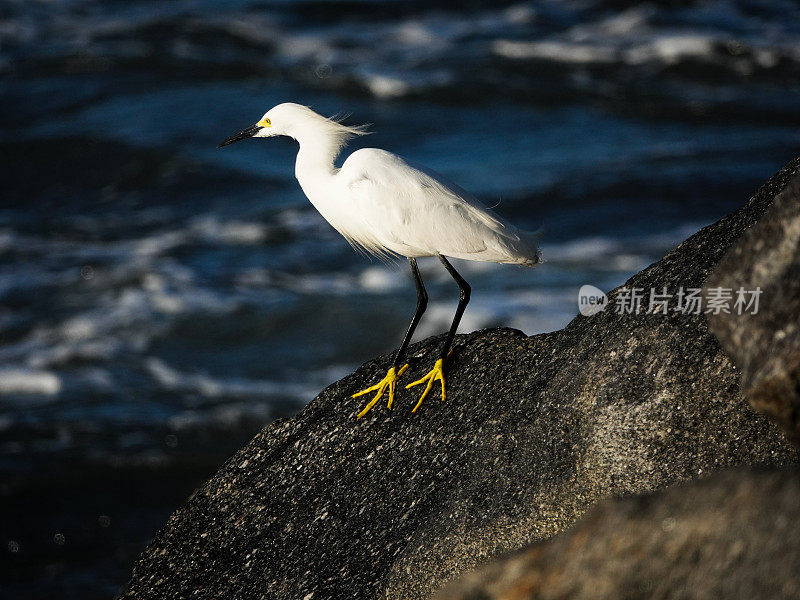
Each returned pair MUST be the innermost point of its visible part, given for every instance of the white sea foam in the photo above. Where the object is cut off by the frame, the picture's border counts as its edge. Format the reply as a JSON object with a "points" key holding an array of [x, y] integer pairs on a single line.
{"points": [[386, 86], [211, 229], [29, 382], [380, 279], [715, 33], [561, 51], [528, 310], [227, 415], [210, 387], [672, 48]]}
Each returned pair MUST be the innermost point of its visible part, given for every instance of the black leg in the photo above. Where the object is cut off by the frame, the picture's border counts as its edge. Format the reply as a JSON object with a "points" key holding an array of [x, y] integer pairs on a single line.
{"points": [[464, 290], [422, 304], [390, 381]]}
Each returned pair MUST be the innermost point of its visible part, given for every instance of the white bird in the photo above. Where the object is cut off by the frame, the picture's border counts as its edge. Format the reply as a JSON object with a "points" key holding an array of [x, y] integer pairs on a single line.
{"points": [[388, 206]]}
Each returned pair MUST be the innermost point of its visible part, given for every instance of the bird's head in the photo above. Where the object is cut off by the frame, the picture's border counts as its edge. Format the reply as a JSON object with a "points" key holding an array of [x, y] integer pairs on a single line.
{"points": [[293, 120], [274, 122]]}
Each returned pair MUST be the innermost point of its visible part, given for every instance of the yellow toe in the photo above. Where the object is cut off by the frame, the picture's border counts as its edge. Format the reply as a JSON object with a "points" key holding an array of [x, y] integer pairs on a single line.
{"points": [[437, 372], [388, 382]]}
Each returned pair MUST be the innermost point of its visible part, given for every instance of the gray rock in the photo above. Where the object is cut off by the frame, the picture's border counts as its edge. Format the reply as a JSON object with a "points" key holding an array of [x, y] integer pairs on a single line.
{"points": [[766, 345], [535, 431], [732, 535]]}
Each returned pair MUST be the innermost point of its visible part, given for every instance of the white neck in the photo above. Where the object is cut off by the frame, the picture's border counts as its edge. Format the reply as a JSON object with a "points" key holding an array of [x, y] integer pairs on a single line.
{"points": [[315, 170], [315, 158]]}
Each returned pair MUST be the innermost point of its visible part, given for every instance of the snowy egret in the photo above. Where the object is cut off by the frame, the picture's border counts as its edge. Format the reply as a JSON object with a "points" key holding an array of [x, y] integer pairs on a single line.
{"points": [[388, 206]]}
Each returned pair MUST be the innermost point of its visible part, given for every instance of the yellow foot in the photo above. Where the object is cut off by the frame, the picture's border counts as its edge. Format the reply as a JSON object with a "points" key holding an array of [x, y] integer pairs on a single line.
{"points": [[437, 372], [387, 382]]}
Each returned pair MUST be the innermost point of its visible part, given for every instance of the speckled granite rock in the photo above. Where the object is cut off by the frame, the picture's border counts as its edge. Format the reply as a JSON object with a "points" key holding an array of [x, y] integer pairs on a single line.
{"points": [[732, 535], [766, 345], [534, 431]]}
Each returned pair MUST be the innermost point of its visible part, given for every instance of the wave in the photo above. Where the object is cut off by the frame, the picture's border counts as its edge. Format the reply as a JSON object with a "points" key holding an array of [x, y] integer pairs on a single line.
{"points": [[29, 382], [662, 52]]}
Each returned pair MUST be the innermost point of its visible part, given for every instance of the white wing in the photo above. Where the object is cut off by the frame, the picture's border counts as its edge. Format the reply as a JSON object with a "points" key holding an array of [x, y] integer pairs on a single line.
{"points": [[413, 211]]}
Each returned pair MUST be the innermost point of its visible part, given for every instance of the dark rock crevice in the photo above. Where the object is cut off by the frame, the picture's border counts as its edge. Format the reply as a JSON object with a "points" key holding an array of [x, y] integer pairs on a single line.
{"points": [[766, 345], [722, 537]]}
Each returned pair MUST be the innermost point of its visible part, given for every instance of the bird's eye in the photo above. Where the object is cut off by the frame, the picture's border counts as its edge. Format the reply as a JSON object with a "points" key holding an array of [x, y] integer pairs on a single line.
{"points": [[265, 123]]}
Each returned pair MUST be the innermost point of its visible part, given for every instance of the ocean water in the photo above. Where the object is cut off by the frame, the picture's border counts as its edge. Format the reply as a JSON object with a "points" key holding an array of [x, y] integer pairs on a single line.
{"points": [[161, 300]]}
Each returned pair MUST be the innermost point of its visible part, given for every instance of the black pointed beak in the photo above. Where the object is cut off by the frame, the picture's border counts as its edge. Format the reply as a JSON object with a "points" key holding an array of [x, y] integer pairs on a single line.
{"points": [[242, 135]]}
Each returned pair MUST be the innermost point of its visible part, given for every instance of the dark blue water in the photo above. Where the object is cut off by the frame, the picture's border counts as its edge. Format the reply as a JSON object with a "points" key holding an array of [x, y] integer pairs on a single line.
{"points": [[161, 300]]}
